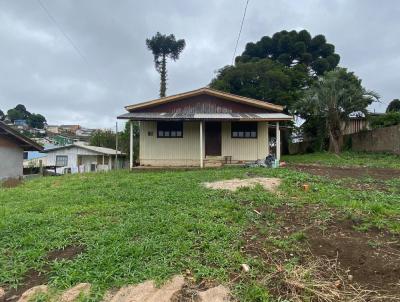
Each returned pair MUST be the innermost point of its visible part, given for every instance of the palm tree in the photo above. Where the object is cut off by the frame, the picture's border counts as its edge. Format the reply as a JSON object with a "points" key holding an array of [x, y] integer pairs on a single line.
{"points": [[163, 47], [333, 98]]}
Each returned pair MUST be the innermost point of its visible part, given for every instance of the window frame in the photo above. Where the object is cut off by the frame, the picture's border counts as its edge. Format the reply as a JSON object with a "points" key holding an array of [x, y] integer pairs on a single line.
{"points": [[64, 157], [174, 126], [251, 127]]}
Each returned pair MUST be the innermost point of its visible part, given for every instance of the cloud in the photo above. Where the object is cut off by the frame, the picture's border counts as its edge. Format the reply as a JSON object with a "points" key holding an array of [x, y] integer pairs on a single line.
{"points": [[113, 68]]}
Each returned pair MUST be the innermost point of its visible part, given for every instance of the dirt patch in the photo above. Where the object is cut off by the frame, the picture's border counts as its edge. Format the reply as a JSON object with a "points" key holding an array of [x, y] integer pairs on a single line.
{"points": [[344, 172], [368, 261], [32, 278], [270, 184], [11, 183], [66, 253]]}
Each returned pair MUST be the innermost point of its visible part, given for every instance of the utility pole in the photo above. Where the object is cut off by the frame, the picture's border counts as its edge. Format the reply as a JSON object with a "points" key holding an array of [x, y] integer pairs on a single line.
{"points": [[116, 145]]}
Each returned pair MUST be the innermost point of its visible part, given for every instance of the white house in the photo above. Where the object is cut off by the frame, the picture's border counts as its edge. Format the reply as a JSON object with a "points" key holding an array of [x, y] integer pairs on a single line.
{"points": [[12, 147], [80, 158]]}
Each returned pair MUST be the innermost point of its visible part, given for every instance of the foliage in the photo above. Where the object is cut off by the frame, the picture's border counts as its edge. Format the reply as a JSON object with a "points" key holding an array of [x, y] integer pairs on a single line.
{"points": [[385, 120], [107, 138], [294, 48], [263, 79], [140, 226], [394, 106], [21, 113], [333, 98], [2, 115], [347, 159], [163, 47]]}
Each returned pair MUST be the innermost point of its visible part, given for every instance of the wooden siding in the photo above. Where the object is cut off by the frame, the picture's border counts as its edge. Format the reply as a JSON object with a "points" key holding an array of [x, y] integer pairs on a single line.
{"points": [[204, 104], [185, 151]]}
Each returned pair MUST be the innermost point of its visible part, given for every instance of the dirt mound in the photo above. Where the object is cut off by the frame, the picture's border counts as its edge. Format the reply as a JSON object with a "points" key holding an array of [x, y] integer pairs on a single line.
{"points": [[344, 172], [270, 184]]}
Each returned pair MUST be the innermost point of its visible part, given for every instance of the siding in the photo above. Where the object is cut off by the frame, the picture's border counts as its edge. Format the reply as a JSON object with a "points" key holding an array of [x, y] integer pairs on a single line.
{"points": [[185, 151], [11, 159]]}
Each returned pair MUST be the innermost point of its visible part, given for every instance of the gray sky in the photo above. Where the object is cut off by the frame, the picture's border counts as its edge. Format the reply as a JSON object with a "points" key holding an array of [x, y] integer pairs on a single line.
{"points": [[41, 69]]}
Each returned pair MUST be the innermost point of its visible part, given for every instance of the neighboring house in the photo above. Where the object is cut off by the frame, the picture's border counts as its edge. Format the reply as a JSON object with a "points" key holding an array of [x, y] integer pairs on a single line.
{"points": [[12, 147], [53, 129], [70, 128], [79, 158], [204, 126]]}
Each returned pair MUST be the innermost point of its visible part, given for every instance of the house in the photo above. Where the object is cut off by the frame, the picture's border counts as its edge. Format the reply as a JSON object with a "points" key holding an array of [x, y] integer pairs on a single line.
{"points": [[12, 147], [79, 158], [69, 128], [204, 126]]}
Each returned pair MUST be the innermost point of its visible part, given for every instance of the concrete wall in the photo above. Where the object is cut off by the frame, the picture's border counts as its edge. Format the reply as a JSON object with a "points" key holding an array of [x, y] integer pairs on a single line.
{"points": [[378, 140], [11, 159], [186, 151]]}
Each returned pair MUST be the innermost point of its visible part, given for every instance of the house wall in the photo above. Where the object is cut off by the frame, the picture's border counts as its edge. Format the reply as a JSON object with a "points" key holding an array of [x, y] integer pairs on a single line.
{"points": [[11, 159], [186, 151]]}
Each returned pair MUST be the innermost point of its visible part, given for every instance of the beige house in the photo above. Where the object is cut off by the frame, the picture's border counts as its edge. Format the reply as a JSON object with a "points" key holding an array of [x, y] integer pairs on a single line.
{"points": [[204, 126]]}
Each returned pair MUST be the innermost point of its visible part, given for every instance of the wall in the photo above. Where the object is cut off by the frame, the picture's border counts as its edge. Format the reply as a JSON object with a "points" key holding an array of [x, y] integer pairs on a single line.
{"points": [[186, 151], [378, 140], [11, 159]]}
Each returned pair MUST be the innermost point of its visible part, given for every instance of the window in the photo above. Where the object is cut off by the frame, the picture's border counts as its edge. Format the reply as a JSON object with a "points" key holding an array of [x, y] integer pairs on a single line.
{"points": [[61, 160], [169, 129], [244, 130]]}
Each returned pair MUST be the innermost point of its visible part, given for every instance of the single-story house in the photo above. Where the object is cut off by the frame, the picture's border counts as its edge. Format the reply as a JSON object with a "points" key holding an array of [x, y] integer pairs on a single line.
{"points": [[12, 147], [80, 157], [204, 126]]}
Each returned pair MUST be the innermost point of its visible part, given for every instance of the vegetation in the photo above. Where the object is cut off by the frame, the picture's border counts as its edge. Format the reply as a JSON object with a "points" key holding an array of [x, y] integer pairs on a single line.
{"points": [[163, 47], [347, 159], [394, 106], [152, 225], [20, 113], [333, 98], [294, 48], [385, 120], [107, 138]]}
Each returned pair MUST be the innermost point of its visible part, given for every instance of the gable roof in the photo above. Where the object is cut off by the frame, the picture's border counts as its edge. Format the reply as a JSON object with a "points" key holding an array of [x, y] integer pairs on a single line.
{"points": [[23, 141], [99, 150], [207, 91]]}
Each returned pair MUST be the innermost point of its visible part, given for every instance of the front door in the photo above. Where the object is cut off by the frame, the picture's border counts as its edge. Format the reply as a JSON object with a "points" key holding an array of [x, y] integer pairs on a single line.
{"points": [[213, 138]]}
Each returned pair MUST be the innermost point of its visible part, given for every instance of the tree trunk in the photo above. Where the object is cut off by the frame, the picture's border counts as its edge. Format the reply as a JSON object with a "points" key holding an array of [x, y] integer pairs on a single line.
{"points": [[335, 141], [163, 72]]}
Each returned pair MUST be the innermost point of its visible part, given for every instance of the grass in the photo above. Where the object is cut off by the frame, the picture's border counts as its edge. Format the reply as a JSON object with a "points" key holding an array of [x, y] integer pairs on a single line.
{"points": [[152, 225], [347, 158]]}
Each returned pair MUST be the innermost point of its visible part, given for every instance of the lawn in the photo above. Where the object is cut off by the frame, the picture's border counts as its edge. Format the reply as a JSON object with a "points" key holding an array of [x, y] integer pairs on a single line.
{"points": [[347, 158], [133, 227]]}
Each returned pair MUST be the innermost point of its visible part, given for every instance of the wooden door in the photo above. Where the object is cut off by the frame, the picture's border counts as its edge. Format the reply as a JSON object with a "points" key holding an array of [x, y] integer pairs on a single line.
{"points": [[213, 138]]}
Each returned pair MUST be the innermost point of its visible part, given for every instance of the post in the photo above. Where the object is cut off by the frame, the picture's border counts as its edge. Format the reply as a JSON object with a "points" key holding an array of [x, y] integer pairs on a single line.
{"points": [[201, 145], [116, 147], [131, 147], [278, 142]]}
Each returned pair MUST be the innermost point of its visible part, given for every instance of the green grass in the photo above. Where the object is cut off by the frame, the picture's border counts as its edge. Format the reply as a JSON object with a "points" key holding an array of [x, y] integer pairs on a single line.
{"points": [[152, 225], [347, 158]]}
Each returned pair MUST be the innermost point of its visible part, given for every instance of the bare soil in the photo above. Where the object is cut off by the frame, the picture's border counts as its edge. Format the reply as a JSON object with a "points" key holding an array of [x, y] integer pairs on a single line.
{"points": [[33, 277], [270, 184], [345, 172], [372, 258]]}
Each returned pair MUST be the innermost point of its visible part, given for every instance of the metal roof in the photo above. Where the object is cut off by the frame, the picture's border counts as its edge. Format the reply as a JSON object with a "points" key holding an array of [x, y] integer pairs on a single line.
{"points": [[96, 149], [159, 116]]}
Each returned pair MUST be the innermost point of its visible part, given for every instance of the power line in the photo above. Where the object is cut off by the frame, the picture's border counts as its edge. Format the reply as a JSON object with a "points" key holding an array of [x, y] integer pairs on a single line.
{"points": [[68, 38], [240, 31]]}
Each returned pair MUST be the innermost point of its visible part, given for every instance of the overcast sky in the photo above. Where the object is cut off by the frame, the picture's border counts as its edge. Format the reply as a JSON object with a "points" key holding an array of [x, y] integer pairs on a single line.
{"points": [[106, 65]]}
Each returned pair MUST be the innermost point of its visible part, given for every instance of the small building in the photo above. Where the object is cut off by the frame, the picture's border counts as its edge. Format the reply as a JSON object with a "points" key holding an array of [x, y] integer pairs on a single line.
{"points": [[80, 158], [12, 147], [204, 126]]}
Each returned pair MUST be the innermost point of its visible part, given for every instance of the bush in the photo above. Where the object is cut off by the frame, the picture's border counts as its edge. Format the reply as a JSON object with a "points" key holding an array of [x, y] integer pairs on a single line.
{"points": [[385, 120]]}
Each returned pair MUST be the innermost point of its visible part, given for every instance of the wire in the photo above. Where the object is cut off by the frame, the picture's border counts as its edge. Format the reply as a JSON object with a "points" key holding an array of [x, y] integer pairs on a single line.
{"points": [[240, 31], [68, 38]]}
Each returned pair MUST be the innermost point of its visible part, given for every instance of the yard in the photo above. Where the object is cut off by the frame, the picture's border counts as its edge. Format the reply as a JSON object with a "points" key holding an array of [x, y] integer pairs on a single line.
{"points": [[326, 237]]}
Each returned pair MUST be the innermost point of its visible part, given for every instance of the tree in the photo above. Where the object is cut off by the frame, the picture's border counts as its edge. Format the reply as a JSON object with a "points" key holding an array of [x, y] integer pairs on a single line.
{"points": [[333, 98], [36, 121], [163, 47], [2, 115], [394, 106], [294, 48]]}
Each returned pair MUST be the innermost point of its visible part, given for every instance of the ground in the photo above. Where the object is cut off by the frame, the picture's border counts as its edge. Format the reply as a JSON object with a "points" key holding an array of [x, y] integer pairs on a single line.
{"points": [[321, 235]]}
